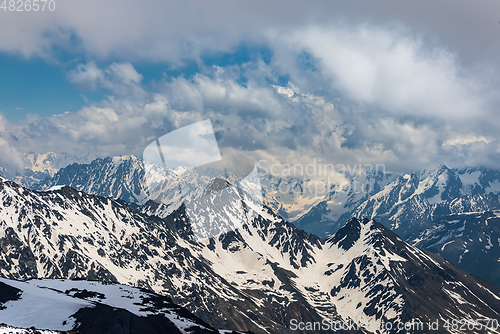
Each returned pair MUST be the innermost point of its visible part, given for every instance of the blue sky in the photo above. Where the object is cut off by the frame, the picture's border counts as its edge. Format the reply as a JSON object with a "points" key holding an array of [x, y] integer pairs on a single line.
{"points": [[35, 86], [39, 87], [407, 84]]}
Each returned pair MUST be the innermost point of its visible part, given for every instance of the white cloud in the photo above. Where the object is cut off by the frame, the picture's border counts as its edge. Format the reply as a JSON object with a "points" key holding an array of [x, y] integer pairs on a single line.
{"points": [[373, 96], [391, 71], [86, 76], [466, 140], [173, 30], [120, 78], [125, 72]]}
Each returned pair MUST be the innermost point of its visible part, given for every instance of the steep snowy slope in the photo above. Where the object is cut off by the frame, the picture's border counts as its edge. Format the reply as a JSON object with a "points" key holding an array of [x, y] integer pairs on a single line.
{"points": [[94, 308], [130, 179], [6, 329], [415, 200], [292, 196], [390, 279], [469, 240], [49, 163]]}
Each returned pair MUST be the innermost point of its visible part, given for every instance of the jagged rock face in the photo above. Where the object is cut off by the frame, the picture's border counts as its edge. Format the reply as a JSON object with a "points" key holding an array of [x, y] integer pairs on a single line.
{"points": [[338, 206], [408, 202], [390, 277], [118, 177], [258, 277], [469, 240], [125, 177], [411, 202]]}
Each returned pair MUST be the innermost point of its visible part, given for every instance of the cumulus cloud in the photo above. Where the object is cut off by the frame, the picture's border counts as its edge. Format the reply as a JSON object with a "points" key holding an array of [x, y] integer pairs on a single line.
{"points": [[392, 71], [356, 95], [466, 140], [120, 78], [167, 30], [125, 72], [86, 76]]}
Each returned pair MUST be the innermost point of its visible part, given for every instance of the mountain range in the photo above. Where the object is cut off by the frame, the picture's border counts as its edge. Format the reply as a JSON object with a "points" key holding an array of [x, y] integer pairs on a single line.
{"points": [[405, 203], [262, 274], [408, 204], [401, 202]]}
